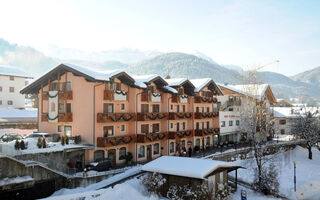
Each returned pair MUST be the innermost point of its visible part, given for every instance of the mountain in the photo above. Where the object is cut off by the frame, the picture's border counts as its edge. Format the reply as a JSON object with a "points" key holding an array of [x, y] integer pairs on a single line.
{"points": [[310, 76], [233, 67], [184, 65]]}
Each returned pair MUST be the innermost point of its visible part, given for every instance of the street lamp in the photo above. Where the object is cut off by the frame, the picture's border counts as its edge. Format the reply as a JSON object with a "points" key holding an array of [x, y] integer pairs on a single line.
{"points": [[294, 172]]}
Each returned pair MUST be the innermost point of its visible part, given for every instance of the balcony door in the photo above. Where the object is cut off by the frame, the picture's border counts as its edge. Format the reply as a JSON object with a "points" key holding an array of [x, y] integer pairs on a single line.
{"points": [[108, 108], [144, 108]]}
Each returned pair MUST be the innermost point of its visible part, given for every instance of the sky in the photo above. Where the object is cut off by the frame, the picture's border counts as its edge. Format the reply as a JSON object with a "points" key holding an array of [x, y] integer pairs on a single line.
{"points": [[244, 33]]}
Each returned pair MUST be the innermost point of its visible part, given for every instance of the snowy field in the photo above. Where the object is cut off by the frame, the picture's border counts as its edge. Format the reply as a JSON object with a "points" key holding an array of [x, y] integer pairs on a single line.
{"points": [[308, 173]]}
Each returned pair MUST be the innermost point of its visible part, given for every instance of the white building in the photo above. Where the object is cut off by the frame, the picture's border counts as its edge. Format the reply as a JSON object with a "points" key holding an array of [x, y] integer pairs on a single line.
{"points": [[12, 80]]}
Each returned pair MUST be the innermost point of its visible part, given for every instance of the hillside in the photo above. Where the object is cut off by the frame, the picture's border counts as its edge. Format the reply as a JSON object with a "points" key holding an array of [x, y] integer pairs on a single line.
{"points": [[310, 76], [185, 65]]}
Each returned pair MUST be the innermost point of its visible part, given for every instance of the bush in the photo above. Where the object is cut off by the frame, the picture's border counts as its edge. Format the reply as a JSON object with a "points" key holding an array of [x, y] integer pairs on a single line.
{"points": [[222, 192], [128, 157], [22, 145], [62, 140], [66, 139], [186, 192], [39, 142], [77, 139], [269, 181], [17, 145], [153, 182], [44, 143]]}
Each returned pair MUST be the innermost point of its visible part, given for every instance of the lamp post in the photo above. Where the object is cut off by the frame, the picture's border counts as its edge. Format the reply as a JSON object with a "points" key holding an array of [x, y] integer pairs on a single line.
{"points": [[295, 178]]}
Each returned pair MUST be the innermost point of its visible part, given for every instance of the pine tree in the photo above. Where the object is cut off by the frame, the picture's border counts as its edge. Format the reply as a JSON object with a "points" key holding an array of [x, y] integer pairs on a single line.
{"points": [[17, 145], [22, 145], [62, 140], [67, 140]]}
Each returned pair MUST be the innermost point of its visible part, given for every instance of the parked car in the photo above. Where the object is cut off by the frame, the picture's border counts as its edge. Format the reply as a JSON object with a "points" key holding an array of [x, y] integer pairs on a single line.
{"points": [[10, 137], [50, 137], [102, 165]]}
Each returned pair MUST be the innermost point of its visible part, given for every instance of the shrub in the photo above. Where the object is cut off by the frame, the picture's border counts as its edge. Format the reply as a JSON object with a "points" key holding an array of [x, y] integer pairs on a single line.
{"points": [[39, 142], [153, 182], [186, 192], [128, 157], [44, 143], [77, 139], [22, 145], [17, 145], [66, 139], [62, 140]]}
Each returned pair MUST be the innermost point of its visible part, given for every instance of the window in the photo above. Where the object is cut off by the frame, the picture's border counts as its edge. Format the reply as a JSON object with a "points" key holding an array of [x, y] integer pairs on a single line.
{"points": [[108, 108], [59, 128], [68, 131], [98, 155], [215, 139], [144, 108], [145, 128], [198, 142], [178, 126], [202, 109], [69, 110], [10, 102], [171, 107], [11, 78], [156, 108], [116, 86], [122, 127], [197, 126], [184, 108], [282, 121], [197, 109], [108, 131], [141, 152], [69, 86], [178, 108], [155, 128], [237, 122], [0, 88], [183, 144], [122, 106], [171, 125], [122, 153], [208, 109], [11, 89], [230, 123], [171, 147], [282, 131], [61, 107], [202, 125], [184, 126], [208, 124], [156, 149], [54, 87], [223, 124], [208, 141]]}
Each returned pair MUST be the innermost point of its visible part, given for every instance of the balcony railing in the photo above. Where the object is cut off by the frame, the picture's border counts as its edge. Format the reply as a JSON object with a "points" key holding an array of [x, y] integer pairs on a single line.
{"points": [[62, 95], [234, 103], [151, 137], [62, 117], [183, 115], [200, 99], [151, 116], [115, 95], [179, 98], [180, 134], [204, 115], [115, 141], [204, 132], [115, 117]]}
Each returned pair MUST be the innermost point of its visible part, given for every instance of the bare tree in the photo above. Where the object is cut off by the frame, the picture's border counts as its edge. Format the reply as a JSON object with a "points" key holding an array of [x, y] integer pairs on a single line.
{"points": [[307, 127]]}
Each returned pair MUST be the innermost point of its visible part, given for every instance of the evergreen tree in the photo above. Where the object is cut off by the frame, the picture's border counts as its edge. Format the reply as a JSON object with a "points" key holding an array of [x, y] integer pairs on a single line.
{"points": [[17, 145], [22, 145], [67, 140], [44, 143], [39, 142], [62, 140]]}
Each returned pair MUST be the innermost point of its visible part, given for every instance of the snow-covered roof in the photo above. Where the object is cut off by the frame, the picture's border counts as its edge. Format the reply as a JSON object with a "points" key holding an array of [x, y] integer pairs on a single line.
{"points": [[200, 83], [175, 81], [187, 167], [12, 71], [171, 89], [293, 112], [141, 80], [253, 90], [96, 74]]}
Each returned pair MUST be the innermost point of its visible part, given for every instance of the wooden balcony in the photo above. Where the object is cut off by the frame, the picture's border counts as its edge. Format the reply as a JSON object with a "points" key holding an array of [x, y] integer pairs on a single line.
{"points": [[115, 141], [65, 117], [118, 95], [62, 95], [151, 116], [180, 134], [115, 117], [179, 98], [151, 137], [204, 132], [200, 99], [177, 116], [44, 117], [205, 115]]}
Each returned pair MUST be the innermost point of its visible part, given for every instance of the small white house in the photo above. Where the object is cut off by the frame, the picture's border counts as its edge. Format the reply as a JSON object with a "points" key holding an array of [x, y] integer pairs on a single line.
{"points": [[12, 80], [191, 171]]}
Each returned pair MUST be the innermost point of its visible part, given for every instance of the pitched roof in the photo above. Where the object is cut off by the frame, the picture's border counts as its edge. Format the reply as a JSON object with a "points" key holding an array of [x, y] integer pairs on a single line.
{"points": [[143, 80], [187, 167], [175, 81], [294, 112], [12, 71], [200, 83]]}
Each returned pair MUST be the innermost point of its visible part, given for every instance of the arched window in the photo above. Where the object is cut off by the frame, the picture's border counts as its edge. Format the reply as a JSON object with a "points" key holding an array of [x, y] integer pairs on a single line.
{"points": [[53, 107], [183, 144], [122, 153], [198, 142], [171, 147], [208, 141], [98, 155], [156, 149], [141, 153]]}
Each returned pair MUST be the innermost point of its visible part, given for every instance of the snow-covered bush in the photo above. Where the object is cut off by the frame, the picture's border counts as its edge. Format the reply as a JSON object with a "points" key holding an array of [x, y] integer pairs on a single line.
{"points": [[22, 145], [269, 183], [153, 182], [222, 192], [187, 192]]}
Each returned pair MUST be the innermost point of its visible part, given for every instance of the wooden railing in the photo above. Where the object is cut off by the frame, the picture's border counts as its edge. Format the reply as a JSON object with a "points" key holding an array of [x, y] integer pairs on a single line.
{"points": [[62, 95], [200, 99], [151, 116], [204, 115], [180, 134], [115, 141], [151, 137], [204, 132], [62, 117], [115, 117], [183, 115]]}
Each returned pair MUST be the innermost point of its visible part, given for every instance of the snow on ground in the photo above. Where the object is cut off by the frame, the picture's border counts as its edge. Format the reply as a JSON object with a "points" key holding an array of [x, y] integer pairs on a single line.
{"points": [[14, 180], [308, 173], [251, 195], [96, 186]]}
